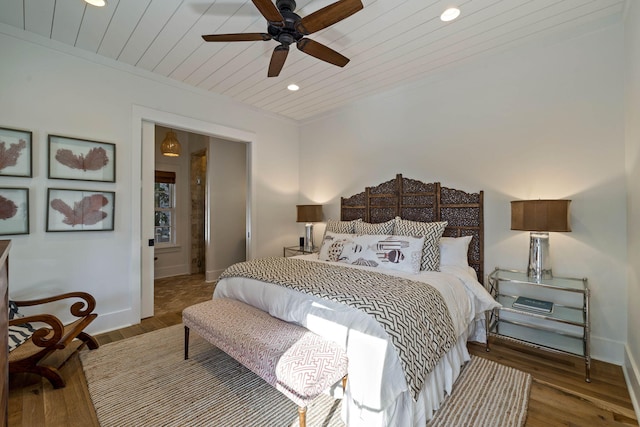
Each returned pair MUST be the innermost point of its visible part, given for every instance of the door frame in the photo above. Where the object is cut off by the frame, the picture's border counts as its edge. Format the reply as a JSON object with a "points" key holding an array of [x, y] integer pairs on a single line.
{"points": [[144, 120]]}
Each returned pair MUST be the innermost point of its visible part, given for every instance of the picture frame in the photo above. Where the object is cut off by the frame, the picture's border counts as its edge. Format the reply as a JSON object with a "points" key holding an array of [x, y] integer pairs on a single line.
{"points": [[14, 211], [80, 210], [81, 159], [16, 157]]}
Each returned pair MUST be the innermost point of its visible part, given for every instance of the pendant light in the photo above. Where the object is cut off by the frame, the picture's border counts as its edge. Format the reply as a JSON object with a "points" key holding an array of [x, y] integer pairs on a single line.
{"points": [[170, 146]]}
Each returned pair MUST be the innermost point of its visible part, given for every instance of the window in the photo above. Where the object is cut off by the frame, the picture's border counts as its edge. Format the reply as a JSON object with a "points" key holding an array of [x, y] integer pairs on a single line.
{"points": [[165, 208]]}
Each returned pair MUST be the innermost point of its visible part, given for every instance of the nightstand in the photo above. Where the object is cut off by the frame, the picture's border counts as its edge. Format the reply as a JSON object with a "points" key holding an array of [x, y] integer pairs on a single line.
{"points": [[288, 251], [565, 328]]}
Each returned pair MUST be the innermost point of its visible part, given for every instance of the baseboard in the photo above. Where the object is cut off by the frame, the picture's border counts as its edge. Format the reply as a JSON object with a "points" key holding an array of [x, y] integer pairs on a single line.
{"points": [[212, 276], [176, 270], [106, 322], [632, 375], [607, 350]]}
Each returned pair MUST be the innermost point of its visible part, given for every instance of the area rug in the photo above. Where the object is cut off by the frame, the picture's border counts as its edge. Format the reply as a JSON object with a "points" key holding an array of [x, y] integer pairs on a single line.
{"points": [[145, 381]]}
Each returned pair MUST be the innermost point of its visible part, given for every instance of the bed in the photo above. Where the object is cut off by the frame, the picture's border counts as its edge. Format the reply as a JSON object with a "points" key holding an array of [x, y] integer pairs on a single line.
{"points": [[406, 341]]}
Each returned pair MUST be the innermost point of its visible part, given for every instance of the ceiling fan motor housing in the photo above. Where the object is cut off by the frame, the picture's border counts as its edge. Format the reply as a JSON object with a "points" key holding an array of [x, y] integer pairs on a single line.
{"points": [[289, 5], [287, 33]]}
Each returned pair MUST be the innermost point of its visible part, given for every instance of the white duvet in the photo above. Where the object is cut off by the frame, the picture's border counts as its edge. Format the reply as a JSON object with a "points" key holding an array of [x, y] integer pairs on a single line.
{"points": [[377, 392]]}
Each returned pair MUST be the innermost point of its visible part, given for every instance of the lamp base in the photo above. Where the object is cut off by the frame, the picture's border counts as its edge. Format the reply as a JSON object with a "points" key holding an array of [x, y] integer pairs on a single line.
{"points": [[308, 237], [539, 265]]}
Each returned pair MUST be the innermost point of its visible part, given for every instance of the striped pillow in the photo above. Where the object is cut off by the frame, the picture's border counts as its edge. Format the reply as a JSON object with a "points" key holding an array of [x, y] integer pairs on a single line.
{"points": [[432, 231], [341, 227], [362, 227], [18, 334]]}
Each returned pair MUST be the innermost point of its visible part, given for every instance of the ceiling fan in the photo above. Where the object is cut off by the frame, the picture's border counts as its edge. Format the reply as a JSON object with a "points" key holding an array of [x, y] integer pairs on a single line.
{"points": [[286, 27]]}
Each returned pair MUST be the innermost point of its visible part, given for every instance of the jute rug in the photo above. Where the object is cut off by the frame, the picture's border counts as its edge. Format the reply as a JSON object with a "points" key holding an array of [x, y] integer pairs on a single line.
{"points": [[145, 381]]}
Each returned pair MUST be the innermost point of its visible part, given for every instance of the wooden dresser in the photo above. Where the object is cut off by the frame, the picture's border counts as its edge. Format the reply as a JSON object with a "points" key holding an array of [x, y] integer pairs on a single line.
{"points": [[4, 331]]}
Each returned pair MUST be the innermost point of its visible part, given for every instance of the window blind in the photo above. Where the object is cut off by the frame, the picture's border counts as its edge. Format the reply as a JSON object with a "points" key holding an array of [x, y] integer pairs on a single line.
{"points": [[165, 177]]}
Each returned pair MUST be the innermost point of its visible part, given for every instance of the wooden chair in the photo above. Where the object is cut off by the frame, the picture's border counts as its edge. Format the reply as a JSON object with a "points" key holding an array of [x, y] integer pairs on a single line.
{"points": [[52, 337]]}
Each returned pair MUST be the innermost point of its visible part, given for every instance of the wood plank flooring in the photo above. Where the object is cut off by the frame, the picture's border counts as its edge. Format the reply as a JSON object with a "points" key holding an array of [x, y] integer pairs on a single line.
{"points": [[559, 394]]}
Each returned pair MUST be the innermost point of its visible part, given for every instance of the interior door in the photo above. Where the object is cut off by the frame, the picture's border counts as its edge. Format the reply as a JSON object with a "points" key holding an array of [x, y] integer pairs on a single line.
{"points": [[147, 219]]}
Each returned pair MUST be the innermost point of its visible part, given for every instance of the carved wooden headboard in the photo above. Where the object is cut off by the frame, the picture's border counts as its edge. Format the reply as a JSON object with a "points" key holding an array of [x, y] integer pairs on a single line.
{"points": [[418, 201]]}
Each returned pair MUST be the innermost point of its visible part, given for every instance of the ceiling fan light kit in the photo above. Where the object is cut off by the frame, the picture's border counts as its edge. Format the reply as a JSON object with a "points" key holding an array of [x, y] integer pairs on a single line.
{"points": [[287, 28]]}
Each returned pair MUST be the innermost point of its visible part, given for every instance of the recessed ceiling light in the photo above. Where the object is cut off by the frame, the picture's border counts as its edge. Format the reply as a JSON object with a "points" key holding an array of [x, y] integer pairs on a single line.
{"points": [[293, 87], [98, 3], [450, 14]]}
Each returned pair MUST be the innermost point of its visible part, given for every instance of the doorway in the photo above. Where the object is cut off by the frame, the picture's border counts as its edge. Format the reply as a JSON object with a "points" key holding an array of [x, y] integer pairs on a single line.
{"points": [[206, 205], [144, 139]]}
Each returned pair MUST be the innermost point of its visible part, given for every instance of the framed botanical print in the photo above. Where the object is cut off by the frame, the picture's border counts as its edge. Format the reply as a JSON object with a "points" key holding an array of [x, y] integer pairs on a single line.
{"points": [[15, 152], [14, 211], [79, 159], [80, 210]]}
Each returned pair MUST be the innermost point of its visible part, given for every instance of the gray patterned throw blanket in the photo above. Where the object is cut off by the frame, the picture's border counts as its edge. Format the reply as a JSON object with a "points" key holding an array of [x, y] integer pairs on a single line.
{"points": [[414, 314]]}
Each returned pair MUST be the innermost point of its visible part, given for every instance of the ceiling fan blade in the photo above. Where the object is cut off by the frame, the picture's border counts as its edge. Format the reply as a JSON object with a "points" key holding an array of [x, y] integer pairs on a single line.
{"points": [[277, 60], [239, 37], [328, 16], [320, 51], [269, 11]]}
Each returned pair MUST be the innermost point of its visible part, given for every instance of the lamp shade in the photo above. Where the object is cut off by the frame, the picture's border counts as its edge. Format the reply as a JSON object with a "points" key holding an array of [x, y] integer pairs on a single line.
{"points": [[540, 215], [309, 213], [170, 146]]}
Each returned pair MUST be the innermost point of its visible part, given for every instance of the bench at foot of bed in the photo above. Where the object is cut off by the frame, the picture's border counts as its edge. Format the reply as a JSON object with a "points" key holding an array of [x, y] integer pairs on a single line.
{"points": [[298, 363]]}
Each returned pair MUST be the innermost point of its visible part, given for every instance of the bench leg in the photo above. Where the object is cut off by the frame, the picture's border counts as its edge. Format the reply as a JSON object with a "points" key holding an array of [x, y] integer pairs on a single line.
{"points": [[302, 415], [186, 342], [344, 383]]}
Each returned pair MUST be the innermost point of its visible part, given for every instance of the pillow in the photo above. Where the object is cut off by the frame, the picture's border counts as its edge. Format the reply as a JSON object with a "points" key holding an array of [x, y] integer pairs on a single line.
{"points": [[403, 253], [362, 227], [18, 334], [13, 310], [453, 251], [432, 231], [336, 226]]}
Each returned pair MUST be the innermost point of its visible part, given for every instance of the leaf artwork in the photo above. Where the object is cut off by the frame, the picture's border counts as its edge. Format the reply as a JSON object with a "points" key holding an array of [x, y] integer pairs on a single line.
{"points": [[8, 209], [85, 212], [95, 159], [10, 157]]}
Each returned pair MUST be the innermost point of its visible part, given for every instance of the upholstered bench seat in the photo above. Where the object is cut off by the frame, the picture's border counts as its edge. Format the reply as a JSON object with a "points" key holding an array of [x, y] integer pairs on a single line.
{"points": [[297, 362]]}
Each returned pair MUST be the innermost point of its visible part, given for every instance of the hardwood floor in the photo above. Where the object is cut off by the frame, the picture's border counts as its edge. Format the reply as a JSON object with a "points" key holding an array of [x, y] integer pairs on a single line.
{"points": [[559, 394]]}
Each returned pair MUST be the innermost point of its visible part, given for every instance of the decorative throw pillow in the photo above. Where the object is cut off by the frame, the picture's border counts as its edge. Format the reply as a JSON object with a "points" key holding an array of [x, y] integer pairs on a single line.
{"points": [[431, 231], [454, 250], [402, 253], [362, 227], [332, 244], [344, 227], [18, 334]]}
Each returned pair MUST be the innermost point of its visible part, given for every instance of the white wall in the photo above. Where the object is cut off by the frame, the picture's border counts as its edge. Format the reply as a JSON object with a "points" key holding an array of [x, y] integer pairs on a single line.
{"points": [[227, 199], [545, 121], [632, 138], [47, 88], [175, 261]]}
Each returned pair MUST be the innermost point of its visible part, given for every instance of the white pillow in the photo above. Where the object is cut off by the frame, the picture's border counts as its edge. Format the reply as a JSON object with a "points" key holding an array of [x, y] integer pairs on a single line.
{"points": [[454, 250], [391, 252]]}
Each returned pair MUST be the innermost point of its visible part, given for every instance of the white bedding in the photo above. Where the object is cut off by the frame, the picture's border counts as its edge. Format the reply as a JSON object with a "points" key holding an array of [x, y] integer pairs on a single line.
{"points": [[377, 392]]}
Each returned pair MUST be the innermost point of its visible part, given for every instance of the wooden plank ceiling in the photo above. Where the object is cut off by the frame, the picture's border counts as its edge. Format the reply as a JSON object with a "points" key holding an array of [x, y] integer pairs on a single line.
{"points": [[389, 42]]}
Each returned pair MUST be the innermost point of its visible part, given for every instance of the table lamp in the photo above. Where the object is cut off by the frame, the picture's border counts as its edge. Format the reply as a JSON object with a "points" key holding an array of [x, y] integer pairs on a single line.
{"points": [[540, 217], [309, 214]]}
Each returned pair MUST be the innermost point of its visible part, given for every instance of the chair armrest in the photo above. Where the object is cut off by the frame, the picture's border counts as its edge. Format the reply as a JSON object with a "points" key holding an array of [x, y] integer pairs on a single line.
{"points": [[46, 336], [78, 309]]}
